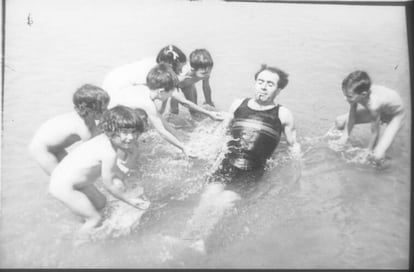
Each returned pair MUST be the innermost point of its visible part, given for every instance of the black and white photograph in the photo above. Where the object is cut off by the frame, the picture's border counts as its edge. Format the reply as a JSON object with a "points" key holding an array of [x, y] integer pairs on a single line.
{"points": [[206, 134]]}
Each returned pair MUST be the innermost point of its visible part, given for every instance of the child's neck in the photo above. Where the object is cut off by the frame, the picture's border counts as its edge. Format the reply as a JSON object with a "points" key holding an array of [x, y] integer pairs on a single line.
{"points": [[90, 122], [365, 101], [153, 95]]}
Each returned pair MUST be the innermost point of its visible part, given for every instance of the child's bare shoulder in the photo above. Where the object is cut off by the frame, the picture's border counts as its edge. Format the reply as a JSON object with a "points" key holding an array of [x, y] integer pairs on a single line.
{"points": [[386, 99], [188, 79], [100, 145], [385, 94], [383, 90], [89, 154]]}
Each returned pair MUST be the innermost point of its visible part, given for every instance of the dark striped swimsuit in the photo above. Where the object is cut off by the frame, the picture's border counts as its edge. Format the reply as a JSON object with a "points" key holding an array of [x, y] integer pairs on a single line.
{"points": [[256, 135]]}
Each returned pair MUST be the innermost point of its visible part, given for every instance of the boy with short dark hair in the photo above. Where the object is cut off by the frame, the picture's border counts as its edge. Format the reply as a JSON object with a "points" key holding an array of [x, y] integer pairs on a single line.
{"points": [[380, 105]]}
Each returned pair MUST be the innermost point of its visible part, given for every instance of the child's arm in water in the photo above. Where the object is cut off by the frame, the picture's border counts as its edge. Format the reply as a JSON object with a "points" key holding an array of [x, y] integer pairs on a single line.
{"points": [[389, 103], [388, 136], [163, 106], [207, 91], [179, 96], [349, 123], [158, 124], [168, 127], [110, 179], [288, 122], [375, 131]]}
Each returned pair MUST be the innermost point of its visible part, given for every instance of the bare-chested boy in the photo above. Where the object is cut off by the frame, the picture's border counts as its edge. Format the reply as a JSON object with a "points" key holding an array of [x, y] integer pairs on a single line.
{"points": [[381, 105], [48, 145], [72, 181]]}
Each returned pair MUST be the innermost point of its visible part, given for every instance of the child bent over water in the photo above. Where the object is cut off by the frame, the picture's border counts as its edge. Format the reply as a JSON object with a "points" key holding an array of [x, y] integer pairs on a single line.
{"points": [[48, 145], [72, 181], [201, 64], [380, 105]]}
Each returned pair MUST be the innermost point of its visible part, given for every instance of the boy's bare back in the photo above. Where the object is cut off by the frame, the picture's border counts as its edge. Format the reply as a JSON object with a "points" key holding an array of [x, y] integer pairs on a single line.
{"points": [[83, 165], [385, 102], [62, 131]]}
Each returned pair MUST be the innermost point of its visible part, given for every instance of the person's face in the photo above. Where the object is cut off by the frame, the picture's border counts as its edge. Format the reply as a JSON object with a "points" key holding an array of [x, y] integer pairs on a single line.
{"points": [[266, 87], [353, 97], [163, 95], [125, 138], [202, 72]]}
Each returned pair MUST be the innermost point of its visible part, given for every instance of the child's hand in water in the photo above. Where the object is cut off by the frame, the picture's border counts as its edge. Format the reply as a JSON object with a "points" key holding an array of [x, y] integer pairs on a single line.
{"points": [[215, 115], [140, 203], [189, 153], [339, 144], [119, 185], [380, 162]]}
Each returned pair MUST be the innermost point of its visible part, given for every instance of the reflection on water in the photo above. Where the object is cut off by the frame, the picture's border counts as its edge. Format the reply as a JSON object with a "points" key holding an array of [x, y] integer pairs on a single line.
{"points": [[328, 210]]}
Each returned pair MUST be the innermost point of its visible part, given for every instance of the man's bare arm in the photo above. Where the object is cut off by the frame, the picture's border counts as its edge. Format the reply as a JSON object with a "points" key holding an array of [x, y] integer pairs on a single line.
{"points": [[288, 122]]}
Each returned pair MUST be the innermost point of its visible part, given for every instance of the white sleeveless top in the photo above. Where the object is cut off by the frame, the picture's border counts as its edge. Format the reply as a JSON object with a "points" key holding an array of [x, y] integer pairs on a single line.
{"points": [[128, 75]]}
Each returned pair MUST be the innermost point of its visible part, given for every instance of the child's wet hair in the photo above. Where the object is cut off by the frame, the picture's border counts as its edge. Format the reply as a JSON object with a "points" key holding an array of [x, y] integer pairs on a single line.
{"points": [[283, 76], [90, 98], [118, 118], [172, 55], [142, 114], [162, 76], [201, 58], [358, 81]]}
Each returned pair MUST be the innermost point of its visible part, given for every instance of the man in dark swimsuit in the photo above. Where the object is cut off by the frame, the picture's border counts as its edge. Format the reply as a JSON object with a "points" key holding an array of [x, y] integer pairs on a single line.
{"points": [[256, 125]]}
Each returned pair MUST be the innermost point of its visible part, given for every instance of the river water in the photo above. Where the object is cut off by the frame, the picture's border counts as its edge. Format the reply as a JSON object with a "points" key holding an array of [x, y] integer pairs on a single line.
{"points": [[328, 210]]}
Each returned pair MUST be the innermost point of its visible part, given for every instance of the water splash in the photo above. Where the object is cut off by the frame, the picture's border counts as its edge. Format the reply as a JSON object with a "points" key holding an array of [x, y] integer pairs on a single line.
{"points": [[348, 152], [209, 139], [214, 203], [119, 219]]}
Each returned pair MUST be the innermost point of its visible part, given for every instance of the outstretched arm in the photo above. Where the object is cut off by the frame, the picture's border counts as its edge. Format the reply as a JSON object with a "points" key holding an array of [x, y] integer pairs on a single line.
{"points": [[163, 106], [207, 91], [158, 123], [179, 96], [167, 126], [375, 130], [349, 123], [388, 136], [109, 178], [288, 122]]}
